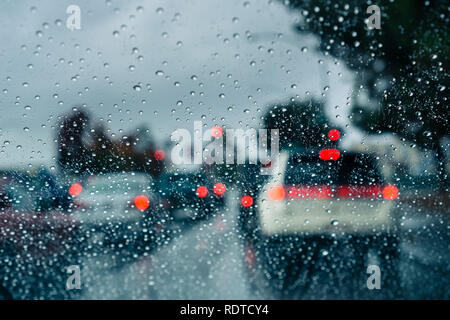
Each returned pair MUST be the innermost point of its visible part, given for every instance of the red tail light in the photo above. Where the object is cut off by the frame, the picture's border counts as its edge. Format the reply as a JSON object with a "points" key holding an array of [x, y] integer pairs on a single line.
{"points": [[219, 188], [246, 201], [217, 131], [306, 192], [202, 192], [141, 202], [359, 192], [159, 155], [276, 193], [329, 154], [390, 192], [326, 192], [334, 134], [75, 189]]}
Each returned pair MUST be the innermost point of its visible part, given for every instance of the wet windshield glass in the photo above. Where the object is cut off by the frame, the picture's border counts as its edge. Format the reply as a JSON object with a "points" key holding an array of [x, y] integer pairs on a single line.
{"points": [[224, 149]]}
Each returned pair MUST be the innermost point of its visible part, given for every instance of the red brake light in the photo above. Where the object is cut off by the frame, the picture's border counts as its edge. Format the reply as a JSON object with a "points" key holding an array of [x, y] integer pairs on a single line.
{"points": [[202, 192], [75, 189], [329, 154], [159, 155], [219, 188], [141, 202], [217, 131], [390, 192], [358, 191], [305, 192], [276, 193], [246, 201], [334, 134]]}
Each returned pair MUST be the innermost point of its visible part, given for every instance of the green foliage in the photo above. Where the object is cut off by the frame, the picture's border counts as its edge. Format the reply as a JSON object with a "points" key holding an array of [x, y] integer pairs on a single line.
{"points": [[403, 66]]}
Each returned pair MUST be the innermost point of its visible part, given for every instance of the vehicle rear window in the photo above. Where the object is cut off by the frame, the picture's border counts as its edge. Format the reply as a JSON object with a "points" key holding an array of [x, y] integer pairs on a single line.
{"points": [[348, 170]]}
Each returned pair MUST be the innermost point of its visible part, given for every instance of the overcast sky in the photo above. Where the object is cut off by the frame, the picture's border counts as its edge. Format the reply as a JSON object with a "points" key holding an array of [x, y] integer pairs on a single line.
{"points": [[192, 58]]}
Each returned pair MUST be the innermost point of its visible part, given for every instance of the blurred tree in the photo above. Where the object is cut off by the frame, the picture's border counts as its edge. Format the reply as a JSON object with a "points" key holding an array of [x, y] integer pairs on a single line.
{"points": [[101, 149], [80, 152], [72, 154], [403, 66], [146, 158]]}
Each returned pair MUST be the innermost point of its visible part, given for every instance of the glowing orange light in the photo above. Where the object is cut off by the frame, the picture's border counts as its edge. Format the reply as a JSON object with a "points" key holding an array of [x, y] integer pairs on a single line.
{"points": [[75, 189], [216, 131], [202, 191], [159, 155], [219, 188], [141, 202], [246, 201], [276, 193], [390, 192], [329, 154], [334, 134]]}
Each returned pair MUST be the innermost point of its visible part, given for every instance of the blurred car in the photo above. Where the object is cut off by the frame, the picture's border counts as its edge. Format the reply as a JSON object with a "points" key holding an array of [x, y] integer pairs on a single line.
{"points": [[35, 236], [119, 207], [190, 196], [53, 193], [47, 191], [315, 201]]}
